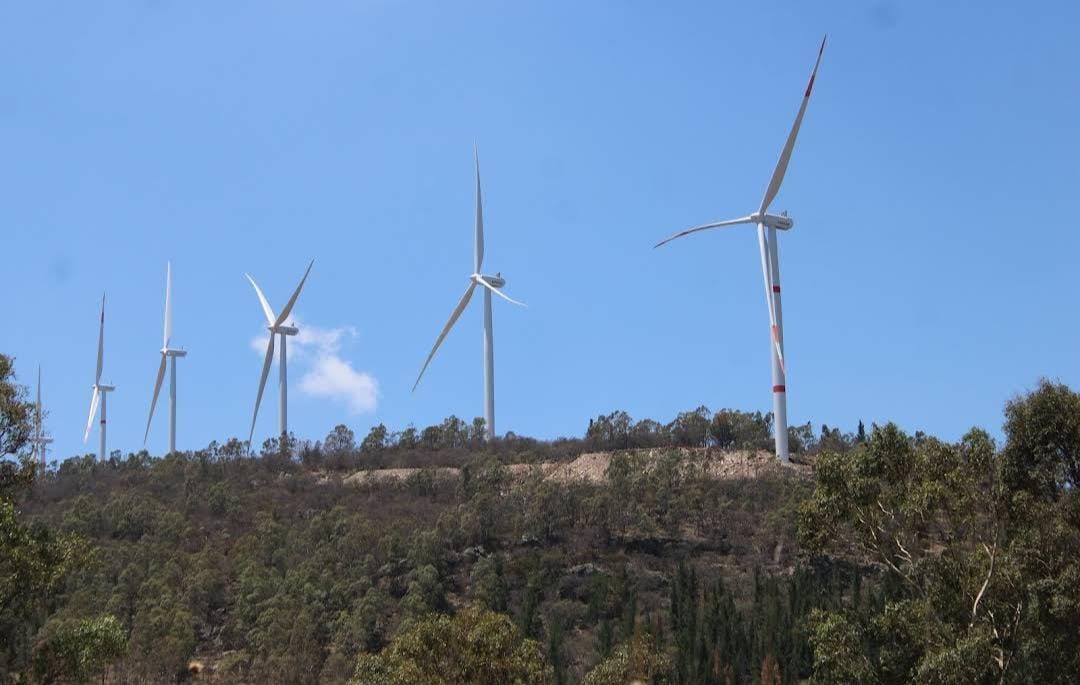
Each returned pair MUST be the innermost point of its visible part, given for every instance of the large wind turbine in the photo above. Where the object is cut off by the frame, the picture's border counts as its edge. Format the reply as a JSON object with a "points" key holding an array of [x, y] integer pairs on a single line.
{"points": [[39, 439], [767, 224], [167, 354], [276, 326], [491, 284], [101, 391]]}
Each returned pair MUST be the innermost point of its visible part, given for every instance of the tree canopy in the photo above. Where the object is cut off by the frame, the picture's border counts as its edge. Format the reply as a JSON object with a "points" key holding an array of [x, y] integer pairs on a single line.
{"points": [[473, 647], [977, 550], [662, 552]]}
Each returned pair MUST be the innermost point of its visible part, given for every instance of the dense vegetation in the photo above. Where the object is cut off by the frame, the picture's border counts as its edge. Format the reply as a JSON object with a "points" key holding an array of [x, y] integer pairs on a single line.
{"points": [[882, 558]]}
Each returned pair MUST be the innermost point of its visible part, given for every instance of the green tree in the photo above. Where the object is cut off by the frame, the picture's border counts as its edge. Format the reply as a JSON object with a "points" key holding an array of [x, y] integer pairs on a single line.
{"points": [[611, 432], [163, 628], [454, 432], [973, 549], [732, 429], [1042, 455], [408, 438], [34, 560], [425, 592], [78, 651], [376, 440], [487, 584], [926, 516], [636, 661], [648, 433], [476, 430], [340, 441], [15, 410], [475, 647], [690, 428]]}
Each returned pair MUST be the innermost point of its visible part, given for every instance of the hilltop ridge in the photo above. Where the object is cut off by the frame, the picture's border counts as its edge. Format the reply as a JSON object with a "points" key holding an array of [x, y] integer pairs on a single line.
{"points": [[227, 546], [592, 467]]}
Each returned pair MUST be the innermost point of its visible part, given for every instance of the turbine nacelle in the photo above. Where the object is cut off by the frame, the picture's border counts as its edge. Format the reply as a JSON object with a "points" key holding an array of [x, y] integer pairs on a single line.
{"points": [[283, 330], [173, 353], [779, 221], [495, 281], [103, 388]]}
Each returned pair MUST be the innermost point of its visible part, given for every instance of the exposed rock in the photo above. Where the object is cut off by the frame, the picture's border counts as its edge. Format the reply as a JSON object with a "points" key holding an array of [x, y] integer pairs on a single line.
{"points": [[586, 569]]}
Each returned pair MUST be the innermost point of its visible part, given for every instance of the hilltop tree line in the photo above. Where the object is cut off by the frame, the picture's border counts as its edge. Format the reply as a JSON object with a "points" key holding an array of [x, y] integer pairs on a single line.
{"points": [[895, 558], [454, 440]]}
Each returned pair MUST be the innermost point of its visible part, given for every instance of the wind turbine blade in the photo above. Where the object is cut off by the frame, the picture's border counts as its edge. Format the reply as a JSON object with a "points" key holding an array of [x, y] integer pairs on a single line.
{"points": [[446, 329], [292, 300], [785, 154], [766, 270], [37, 406], [168, 305], [262, 300], [478, 253], [153, 400], [93, 410], [262, 384], [498, 292], [703, 227], [100, 343]]}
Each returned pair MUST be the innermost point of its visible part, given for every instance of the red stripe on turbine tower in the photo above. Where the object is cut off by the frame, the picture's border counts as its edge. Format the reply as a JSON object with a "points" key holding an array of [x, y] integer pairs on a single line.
{"points": [[776, 288], [779, 388]]}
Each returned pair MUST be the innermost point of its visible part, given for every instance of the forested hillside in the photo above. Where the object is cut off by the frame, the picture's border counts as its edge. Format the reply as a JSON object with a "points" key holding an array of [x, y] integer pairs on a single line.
{"points": [[692, 557]]}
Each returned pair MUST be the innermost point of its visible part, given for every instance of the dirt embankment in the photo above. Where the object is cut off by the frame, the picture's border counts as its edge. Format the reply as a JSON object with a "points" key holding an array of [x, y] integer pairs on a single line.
{"points": [[592, 467]]}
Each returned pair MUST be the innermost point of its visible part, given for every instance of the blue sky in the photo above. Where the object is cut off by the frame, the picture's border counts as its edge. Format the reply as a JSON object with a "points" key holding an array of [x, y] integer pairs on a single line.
{"points": [[930, 275]]}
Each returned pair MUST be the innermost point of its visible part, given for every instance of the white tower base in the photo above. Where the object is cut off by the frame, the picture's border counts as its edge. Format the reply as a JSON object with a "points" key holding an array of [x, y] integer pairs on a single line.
{"points": [[779, 380], [172, 405], [283, 391], [489, 370]]}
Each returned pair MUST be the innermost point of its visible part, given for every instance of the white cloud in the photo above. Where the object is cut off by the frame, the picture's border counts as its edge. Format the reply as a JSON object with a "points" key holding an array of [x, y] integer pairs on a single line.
{"points": [[333, 377], [326, 374]]}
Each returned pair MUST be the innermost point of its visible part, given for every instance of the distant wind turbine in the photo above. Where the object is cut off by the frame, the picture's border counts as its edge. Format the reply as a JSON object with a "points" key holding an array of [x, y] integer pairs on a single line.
{"points": [[276, 326], [770, 266], [100, 390], [491, 284], [167, 354], [39, 438]]}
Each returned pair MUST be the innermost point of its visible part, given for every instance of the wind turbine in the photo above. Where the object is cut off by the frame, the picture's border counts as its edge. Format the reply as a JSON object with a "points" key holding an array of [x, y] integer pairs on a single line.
{"points": [[767, 225], [491, 284], [39, 439], [101, 391], [167, 354], [276, 326]]}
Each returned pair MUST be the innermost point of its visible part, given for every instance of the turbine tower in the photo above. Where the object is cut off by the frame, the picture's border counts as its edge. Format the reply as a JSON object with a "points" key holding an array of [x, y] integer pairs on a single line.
{"points": [[167, 354], [276, 326], [491, 284], [100, 391], [767, 225], [39, 439]]}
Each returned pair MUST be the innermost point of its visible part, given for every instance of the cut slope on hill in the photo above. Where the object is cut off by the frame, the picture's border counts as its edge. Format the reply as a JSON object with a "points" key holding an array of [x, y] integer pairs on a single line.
{"points": [[592, 467]]}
